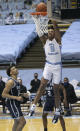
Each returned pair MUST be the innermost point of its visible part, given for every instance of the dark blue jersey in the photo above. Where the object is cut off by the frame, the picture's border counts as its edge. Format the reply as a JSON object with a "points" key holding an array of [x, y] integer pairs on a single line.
{"points": [[49, 91], [12, 104], [15, 91], [49, 102]]}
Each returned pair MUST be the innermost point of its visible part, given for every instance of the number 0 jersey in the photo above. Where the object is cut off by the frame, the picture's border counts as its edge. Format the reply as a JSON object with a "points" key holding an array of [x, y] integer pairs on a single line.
{"points": [[52, 51]]}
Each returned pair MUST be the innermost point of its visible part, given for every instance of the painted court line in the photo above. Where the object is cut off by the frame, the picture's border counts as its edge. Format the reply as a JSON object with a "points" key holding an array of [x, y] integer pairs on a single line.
{"points": [[40, 117]]}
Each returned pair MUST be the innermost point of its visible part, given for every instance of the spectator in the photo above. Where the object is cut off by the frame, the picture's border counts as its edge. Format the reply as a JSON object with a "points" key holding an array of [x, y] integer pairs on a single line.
{"points": [[10, 19], [16, 17], [70, 95], [20, 19], [35, 83], [23, 89], [2, 86]]}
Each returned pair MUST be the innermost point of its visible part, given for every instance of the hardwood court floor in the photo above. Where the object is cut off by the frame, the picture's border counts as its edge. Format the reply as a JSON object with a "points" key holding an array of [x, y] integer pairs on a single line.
{"points": [[35, 124]]}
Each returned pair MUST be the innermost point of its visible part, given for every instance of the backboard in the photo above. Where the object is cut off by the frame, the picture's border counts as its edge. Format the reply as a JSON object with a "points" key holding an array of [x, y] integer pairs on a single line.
{"points": [[49, 8]]}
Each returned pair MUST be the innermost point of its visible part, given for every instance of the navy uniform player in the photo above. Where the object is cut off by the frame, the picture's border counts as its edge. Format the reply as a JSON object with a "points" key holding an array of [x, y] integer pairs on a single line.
{"points": [[52, 47], [49, 107], [12, 92]]}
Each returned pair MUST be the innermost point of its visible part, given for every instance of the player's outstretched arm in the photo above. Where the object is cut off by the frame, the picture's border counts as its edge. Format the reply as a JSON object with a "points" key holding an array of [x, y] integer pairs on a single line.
{"points": [[57, 32]]}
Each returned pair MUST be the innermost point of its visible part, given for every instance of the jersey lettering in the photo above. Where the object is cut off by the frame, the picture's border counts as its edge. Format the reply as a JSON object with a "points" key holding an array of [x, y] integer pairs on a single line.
{"points": [[52, 49]]}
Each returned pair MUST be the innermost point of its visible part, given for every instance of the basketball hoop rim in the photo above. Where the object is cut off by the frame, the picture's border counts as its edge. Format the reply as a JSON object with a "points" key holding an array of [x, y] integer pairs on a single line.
{"points": [[39, 13]]}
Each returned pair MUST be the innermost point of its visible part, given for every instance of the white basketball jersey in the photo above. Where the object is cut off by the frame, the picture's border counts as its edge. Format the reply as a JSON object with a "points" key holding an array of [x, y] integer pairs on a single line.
{"points": [[52, 51]]}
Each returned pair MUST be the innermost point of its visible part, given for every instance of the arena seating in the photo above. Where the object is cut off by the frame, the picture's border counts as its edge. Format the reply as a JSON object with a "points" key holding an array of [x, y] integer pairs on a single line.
{"points": [[71, 42], [17, 38], [14, 7]]}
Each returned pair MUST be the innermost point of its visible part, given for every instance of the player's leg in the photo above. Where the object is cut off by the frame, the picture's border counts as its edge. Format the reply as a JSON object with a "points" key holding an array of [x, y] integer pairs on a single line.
{"points": [[16, 113], [56, 79], [57, 95], [57, 74], [57, 104], [41, 90], [48, 108], [15, 125], [21, 119], [21, 123], [45, 122], [62, 122], [46, 77]]}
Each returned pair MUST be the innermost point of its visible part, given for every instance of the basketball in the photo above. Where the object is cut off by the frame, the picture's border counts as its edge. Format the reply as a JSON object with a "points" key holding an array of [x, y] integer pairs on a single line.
{"points": [[41, 7]]}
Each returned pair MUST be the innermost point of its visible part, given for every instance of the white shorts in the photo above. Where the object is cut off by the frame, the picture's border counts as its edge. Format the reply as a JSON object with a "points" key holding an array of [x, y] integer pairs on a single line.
{"points": [[53, 72]]}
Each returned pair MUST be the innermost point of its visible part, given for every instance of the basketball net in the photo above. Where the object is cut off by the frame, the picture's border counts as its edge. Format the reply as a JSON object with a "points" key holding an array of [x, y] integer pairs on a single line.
{"points": [[41, 22]]}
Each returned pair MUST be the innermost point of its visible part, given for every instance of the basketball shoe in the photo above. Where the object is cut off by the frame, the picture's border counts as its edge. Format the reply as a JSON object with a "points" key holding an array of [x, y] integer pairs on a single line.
{"points": [[56, 115]]}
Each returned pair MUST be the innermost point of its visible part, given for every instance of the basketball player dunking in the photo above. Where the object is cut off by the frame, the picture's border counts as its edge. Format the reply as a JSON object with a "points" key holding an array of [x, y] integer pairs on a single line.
{"points": [[52, 69], [12, 92]]}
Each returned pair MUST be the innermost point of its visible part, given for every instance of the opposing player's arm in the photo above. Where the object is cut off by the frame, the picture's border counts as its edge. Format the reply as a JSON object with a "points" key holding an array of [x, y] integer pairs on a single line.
{"points": [[57, 32], [7, 89]]}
